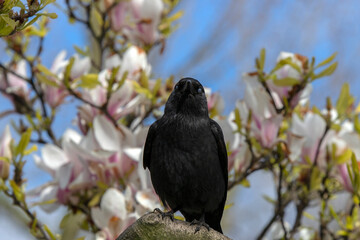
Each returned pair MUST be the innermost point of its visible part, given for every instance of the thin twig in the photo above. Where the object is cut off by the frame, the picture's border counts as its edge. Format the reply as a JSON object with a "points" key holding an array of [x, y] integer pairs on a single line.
{"points": [[32, 217]]}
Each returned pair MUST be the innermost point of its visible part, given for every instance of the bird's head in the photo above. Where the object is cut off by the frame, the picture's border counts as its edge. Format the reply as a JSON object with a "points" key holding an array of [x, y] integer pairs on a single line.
{"points": [[188, 98]]}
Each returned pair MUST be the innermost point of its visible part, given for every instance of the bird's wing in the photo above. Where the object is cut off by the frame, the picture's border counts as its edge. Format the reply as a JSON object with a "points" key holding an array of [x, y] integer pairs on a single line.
{"points": [[148, 145], [219, 137]]}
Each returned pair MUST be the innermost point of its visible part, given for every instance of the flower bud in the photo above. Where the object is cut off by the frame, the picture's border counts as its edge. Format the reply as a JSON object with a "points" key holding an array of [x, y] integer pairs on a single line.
{"points": [[4, 169]]}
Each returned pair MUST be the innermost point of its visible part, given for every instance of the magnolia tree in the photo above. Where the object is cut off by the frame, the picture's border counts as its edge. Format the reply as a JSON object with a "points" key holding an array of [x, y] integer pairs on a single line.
{"points": [[97, 170]]}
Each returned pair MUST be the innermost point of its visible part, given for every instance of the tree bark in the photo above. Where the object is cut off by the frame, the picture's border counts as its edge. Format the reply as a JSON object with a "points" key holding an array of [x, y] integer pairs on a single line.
{"points": [[152, 226]]}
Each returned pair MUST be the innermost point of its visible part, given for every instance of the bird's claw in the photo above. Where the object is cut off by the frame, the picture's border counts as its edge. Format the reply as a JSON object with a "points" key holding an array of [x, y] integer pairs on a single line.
{"points": [[199, 224], [169, 214]]}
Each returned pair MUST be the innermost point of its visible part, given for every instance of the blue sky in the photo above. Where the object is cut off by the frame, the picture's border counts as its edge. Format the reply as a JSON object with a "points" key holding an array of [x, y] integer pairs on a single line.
{"points": [[230, 35]]}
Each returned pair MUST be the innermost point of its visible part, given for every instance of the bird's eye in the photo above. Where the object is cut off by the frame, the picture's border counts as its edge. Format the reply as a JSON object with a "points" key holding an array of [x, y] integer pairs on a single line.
{"points": [[199, 90], [176, 87]]}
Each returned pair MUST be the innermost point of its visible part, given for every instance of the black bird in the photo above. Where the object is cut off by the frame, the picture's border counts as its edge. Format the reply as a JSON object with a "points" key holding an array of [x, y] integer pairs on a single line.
{"points": [[187, 158]]}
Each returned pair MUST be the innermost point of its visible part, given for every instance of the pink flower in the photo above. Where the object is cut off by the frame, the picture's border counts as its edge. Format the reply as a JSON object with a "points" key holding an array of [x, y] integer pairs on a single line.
{"points": [[54, 95], [215, 102], [121, 103], [56, 92], [265, 121], [12, 84], [288, 71], [138, 19], [5, 141], [344, 177], [5, 152]]}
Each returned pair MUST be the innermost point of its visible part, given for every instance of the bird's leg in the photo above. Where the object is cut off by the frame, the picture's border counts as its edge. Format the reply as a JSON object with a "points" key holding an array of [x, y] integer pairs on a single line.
{"points": [[169, 214], [199, 223]]}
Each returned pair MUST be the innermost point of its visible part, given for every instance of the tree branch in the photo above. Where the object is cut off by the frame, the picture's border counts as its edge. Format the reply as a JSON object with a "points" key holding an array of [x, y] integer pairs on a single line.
{"points": [[153, 226]]}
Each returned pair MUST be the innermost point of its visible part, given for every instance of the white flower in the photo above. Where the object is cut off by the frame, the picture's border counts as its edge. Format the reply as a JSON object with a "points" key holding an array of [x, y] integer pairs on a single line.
{"points": [[304, 137], [112, 217], [5, 140], [133, 62]]}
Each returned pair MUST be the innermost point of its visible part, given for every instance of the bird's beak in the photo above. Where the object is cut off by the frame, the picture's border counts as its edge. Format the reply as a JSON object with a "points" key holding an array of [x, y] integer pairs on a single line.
{"points": [[189, 88]]}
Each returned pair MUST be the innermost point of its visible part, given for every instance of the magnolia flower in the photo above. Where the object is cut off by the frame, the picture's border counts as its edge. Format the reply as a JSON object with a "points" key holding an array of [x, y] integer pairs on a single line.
{"points": [[80, 67], [134, 62], [276, 230], [112, 217], [138, 19], [5, 141], [265, 121], [12, 84], [5, 151], [54, 95], [285, 72], [123, 100], [68, 169], [304, 138], [215, 102], [82, 161], [239, 153], [121, 103], [346, 141]]}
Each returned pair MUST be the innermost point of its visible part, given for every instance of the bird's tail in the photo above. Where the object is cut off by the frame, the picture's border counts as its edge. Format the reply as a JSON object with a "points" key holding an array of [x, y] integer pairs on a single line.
{"points": [[213, 219]]}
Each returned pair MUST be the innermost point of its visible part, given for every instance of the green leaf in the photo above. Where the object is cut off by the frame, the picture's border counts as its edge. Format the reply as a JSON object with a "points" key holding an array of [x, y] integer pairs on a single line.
{"points": [[89, 81], [309, 216], [345, 99], [315, 179], [96, 20], [260, 62], [175, 16], [6, 159], [326, 61], [326, 72], [179, 218], [269, 199], [141, 90], [349, 224], [286, 82], [71, 224], [32, 149], [20, 4], [29, 23], [342, 233], [355, 168], [357, 124], [238, 119], [156, 86], [43, 79], [291, 63], [24, 141], [123, 78], [4, 28], [227, 206], [82, 52], [48, 231], [45, 70], [334, 214], [68, 72], [8, 20], [50, 15], [19, 194], [95, 200], [144, 80], [343, 158], [245, 183]]}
